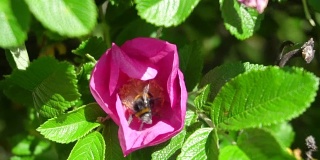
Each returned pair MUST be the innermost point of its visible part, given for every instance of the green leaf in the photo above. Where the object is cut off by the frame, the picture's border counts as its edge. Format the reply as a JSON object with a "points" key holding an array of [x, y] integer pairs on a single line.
{"points": [[191, 63], [50, 85], [14, 23], [224, 73], [262, 97], [259, 144], [194, 146], [89, 147], [283, 132], [110, 134], [165, 12], [95, 46], [232, 152], [170, 147], [67, 17], [71, 126], [239, 20]]}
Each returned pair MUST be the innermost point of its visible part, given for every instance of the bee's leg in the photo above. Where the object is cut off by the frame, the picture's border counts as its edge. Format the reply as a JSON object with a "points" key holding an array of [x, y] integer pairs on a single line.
{"points": [[141, 125], [102, 119], [130, 119]]}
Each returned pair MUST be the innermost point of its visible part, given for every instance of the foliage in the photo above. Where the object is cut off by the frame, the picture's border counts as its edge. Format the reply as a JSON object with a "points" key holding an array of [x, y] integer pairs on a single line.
{"points": [[240, 104]]}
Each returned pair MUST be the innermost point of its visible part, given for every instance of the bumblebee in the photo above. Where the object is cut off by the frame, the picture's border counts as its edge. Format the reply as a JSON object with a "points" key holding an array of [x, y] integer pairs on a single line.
{"points": [[142, 107]]}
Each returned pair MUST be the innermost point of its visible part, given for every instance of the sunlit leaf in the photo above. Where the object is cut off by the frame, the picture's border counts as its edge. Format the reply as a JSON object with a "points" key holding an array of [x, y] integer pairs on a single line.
{"points": [[91, 146], [67, 17], [240, 21], [73, 125], [165, 12], [194, 146], [170, 147], [261, 97], [14, 23]]}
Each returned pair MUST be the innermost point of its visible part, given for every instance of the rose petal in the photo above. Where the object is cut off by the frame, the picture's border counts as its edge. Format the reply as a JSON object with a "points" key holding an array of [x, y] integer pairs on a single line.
{"points": [[141, 69], [259, 5]]}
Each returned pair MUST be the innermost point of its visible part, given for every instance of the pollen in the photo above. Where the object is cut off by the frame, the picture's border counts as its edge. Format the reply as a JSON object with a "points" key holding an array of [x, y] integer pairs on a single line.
{"points": [[134, 88]]}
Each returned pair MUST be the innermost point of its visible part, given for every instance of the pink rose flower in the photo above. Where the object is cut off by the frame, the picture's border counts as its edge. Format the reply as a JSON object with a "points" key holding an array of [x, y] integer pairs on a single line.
{"points": [[259, 5], [140, 86]]}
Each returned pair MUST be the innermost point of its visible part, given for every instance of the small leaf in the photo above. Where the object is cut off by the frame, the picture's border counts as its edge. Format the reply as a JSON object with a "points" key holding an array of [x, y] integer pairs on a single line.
{"points": [[18, 57], [67, 17], [24, 145], [83, 81], [95, 46], [201, 99], [14, 23], [169, 148], [259, 144], [232, 152], [194, 146], [165, 12], [89, 147], [50, 85], [191, 63], [261, 97], [239, 20], [73, 125]]}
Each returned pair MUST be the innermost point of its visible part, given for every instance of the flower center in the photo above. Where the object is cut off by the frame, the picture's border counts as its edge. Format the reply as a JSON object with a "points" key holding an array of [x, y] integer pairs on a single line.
{"points": [[142, 99]]}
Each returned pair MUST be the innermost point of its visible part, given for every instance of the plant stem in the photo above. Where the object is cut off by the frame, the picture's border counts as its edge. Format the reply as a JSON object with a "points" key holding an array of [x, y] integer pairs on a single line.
{"points": [[307, 13]]}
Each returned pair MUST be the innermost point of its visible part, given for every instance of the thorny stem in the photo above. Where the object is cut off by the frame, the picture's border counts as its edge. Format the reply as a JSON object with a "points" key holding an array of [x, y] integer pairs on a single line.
{"points": [[204, 117], [306, 51]]}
